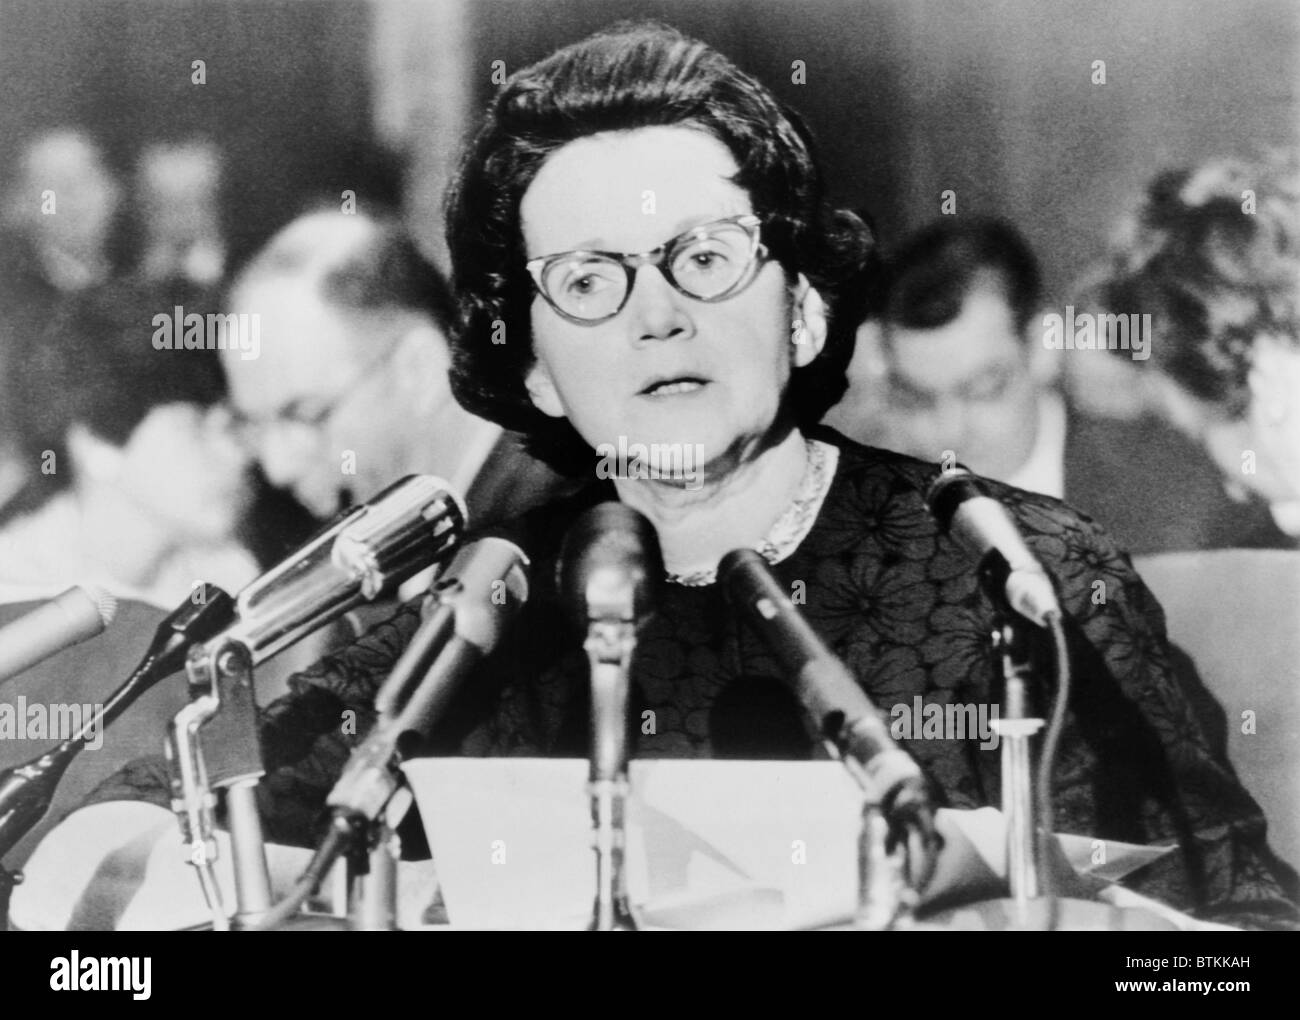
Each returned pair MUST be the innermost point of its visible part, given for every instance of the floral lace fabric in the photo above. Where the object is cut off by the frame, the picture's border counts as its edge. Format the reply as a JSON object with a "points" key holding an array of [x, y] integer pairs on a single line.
{"points": [[901, 605]]}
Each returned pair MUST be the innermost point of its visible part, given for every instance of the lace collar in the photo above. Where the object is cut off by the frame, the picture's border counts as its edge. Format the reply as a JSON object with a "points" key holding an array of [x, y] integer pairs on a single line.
{"points": [[794, 523]]}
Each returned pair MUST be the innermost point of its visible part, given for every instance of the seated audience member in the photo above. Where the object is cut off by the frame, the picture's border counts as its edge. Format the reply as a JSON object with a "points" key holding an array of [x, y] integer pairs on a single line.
{"points": [[1213, 257], [350, 390], [712, 325], [177, 199], [59, 215], [137, 482], [957, 361]]}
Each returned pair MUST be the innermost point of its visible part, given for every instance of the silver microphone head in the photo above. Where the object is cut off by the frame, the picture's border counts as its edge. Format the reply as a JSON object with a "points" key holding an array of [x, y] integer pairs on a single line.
{"points": [[405, 528]]}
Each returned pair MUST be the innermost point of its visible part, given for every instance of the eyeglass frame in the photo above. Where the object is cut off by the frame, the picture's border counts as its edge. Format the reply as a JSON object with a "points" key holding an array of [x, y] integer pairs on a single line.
{"points": [[245, 425], [658, 257]]}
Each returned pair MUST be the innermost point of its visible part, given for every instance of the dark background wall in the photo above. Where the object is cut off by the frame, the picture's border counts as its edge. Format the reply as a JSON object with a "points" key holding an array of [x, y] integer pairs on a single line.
{"points": [[287, 91], [991, 99]]}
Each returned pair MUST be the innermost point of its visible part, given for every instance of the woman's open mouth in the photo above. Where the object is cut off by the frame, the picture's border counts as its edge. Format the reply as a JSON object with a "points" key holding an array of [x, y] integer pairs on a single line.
{"points": [[674, 387]]}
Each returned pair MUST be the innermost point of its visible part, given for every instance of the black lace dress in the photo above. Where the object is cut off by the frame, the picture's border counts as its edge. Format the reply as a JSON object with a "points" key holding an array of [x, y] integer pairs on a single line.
{"points": [[900, 604]]}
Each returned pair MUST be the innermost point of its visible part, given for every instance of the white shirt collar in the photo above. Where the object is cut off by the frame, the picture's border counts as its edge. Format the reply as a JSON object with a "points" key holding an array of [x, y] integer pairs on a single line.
{"points": [[1044, 469]]}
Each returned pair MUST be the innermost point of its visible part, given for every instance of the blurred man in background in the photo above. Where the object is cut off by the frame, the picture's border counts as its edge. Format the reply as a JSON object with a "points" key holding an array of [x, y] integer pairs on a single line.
{"points": [[350, 389], [955, 365]]}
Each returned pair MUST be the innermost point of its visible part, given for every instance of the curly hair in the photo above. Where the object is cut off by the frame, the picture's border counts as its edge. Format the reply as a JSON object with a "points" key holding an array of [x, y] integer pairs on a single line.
{"points": [[1213, 255], [634, 75]]}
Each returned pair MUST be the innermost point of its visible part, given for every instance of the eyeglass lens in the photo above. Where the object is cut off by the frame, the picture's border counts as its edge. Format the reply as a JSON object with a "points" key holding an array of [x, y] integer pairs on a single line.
{"points": [[702, 264]]}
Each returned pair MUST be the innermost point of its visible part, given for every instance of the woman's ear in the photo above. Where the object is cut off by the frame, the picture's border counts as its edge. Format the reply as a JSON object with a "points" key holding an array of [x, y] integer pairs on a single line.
{"points": [[809, 325], [93, 458], [541, 390]]}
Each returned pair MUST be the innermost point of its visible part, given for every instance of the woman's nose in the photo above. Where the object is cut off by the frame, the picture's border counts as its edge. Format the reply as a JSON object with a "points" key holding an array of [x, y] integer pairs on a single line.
{"points": [[656, 307]]}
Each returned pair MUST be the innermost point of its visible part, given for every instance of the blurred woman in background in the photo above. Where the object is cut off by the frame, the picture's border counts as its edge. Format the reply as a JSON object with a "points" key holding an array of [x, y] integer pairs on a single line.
{"points": [[1213, 255]]}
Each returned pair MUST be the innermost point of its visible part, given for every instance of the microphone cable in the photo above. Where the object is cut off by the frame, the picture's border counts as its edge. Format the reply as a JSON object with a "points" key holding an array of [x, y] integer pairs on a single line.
{"points": [[1045, 804]]}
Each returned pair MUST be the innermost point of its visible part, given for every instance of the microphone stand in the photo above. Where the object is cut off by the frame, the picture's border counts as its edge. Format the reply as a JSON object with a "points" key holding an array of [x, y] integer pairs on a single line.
{"points": [[373, 888], [371, 796], [609, 646], [1015, 729], [223, 709], [887, 892], [26, 791]]}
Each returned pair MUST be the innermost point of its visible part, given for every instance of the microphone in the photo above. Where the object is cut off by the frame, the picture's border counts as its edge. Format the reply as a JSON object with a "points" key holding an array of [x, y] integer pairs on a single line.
{"points": [[897, 808], [608, 569], [609, 565], [478, 593], [824, 686], [371, 547], [474, 598], [214, 741], [26, 791], [66, 620], [958, 501]]}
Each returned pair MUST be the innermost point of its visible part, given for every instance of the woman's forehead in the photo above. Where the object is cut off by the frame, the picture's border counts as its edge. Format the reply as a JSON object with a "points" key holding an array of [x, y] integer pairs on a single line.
{"points": [[629, 191]]}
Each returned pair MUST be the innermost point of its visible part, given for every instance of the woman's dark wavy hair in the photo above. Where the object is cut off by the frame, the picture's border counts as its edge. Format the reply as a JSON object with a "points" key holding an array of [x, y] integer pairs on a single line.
{"points": [[632, 76]]}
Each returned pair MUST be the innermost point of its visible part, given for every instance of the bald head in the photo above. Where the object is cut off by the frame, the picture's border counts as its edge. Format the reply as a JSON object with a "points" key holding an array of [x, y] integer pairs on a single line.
{"points": [[356, 264], [353, 360]]}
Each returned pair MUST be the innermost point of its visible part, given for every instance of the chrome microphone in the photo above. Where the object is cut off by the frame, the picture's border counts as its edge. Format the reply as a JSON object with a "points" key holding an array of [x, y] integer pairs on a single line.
{"points": [[609, 567], [214, 741], [407, 527]]}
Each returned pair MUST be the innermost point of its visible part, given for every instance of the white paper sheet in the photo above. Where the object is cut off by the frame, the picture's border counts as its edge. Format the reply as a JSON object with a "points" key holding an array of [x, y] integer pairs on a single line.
{"points": [[710, 844]]}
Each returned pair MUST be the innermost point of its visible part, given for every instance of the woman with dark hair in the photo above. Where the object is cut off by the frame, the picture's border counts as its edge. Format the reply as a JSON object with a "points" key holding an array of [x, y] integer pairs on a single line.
{"points": [[650, 283]]}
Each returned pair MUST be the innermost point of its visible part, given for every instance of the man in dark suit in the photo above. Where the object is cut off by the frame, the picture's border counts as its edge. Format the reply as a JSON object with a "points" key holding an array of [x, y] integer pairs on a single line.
{"points": [[954, 366]]}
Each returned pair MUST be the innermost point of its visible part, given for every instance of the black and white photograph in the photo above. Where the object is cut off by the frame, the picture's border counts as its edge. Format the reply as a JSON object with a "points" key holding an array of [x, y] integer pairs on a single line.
{"points": [[707, 465]]}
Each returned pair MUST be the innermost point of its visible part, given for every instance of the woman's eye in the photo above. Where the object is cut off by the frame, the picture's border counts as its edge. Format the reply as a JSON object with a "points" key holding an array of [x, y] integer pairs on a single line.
{"points": [[583, 281], [705, 259], [588, 283]]}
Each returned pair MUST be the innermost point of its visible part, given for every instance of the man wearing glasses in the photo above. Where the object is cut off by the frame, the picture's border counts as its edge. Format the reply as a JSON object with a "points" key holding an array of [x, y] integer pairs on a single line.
{"points": [[350, 391]]}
